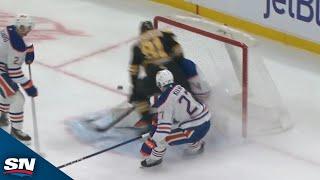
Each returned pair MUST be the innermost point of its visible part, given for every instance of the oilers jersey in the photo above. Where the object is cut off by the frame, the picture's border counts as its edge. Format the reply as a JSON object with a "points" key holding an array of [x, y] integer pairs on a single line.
{"points": [[13, 51], [177, 105]]}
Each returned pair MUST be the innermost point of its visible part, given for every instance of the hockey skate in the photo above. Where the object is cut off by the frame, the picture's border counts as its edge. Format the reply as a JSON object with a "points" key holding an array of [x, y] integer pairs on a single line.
{"points": [[20, 135], [150, 162], [195, 148], [4, 120]]}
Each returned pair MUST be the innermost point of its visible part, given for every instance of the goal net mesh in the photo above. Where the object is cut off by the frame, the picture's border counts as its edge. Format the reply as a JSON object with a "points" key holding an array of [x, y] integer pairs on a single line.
{"points": [[244, 97]]}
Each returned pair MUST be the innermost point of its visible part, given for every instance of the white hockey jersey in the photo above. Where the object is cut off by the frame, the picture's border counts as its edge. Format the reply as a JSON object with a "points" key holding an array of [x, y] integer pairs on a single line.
{"points": [[12, 54], [177, 105]]}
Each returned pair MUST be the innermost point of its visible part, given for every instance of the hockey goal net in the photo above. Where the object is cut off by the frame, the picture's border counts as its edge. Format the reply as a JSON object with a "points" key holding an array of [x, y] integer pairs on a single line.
{"points": [[244, 98]]}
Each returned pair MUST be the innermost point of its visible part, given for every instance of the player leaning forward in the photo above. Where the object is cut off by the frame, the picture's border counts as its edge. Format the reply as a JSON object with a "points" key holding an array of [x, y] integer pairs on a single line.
{"points": [[175, 106], [13, 52], [155, 50]]}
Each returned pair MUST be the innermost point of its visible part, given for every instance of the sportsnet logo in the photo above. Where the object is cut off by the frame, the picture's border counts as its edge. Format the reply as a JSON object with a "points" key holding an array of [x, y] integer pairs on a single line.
{"points": [[19, 166]]}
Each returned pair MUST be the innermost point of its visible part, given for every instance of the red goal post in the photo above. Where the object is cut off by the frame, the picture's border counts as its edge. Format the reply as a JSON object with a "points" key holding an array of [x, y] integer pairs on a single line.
{"points": [[211, 35]]}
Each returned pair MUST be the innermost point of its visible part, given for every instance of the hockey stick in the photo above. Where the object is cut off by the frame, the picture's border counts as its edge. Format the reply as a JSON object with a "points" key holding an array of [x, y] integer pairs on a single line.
{"points": [[116, 121], [34, 117], [99, 116], [105, 150]]}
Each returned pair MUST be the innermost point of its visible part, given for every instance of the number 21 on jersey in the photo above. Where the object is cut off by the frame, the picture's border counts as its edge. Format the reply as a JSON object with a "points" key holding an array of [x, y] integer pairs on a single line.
{"points": [[184, 99]]}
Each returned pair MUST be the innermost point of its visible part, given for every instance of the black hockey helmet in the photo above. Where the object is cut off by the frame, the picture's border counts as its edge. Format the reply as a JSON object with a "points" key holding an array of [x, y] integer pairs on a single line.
{"points": [[146, 26]]}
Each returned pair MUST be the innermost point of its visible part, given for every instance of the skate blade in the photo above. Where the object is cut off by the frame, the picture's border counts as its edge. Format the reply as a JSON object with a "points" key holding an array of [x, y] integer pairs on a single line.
{"points": [[157, 163]]}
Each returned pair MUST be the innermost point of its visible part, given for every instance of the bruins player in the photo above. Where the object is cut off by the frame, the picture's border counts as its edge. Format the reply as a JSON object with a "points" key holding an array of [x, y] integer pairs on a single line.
{"points": [[155, 50]]}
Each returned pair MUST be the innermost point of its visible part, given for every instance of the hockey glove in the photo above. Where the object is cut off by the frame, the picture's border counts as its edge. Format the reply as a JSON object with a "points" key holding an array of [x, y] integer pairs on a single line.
{"points": [[30, 89], [29, 55], [147, 147]]}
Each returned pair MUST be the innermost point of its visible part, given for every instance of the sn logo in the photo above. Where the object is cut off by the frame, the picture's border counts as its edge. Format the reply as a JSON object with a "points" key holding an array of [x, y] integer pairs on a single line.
{"points": [[19, 166]]}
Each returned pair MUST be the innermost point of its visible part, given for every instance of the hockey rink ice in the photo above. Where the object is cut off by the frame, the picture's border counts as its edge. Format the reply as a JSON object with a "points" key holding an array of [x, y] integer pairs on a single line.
{"points": [[82, 54]]}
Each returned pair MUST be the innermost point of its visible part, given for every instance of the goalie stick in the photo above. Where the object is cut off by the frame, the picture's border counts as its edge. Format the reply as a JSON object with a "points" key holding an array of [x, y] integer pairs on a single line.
{"points": [[114, 122], [100, 122]]}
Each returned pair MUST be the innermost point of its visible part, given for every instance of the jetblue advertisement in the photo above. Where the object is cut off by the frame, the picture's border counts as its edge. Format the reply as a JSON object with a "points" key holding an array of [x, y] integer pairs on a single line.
{"points": [[300, 18]]}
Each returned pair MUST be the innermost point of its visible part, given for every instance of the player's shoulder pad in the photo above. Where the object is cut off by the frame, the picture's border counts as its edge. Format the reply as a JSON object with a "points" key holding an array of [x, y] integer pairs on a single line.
{"points": [[16, 40], [163, 97], [167, 33], [188, 67]]}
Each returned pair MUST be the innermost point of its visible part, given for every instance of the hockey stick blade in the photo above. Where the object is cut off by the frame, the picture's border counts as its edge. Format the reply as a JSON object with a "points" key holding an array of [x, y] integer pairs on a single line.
{"points": [[115, 121]]}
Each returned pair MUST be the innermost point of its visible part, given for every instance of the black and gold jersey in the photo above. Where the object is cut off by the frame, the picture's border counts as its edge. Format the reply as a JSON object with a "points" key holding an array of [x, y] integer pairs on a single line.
{"points": [[154, 49]]}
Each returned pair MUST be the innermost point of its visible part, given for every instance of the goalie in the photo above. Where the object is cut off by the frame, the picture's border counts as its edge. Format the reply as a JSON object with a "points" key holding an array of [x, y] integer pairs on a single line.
{"points": [[175, 105]]}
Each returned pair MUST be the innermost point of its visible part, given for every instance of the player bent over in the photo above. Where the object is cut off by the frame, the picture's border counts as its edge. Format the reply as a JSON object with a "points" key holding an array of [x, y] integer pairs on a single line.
{"points": [[154, 51], [13, 52], [175, 105]]}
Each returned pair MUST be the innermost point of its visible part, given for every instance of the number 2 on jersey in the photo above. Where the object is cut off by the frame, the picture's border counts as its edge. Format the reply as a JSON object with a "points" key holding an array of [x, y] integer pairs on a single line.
{"points": [[184, 98]]}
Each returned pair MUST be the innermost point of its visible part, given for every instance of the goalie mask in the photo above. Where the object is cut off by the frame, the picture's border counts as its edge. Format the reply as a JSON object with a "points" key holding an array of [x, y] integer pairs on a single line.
{"points": [[164, 78]]}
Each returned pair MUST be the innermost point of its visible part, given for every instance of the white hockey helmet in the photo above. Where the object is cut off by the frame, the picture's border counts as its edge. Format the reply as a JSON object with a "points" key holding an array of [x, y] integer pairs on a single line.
{"points": [[163, 78], [23, 20]]}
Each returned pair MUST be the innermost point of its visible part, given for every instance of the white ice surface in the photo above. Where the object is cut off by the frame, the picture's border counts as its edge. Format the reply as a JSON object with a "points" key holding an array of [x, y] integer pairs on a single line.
{"points": [[84, 87]]}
